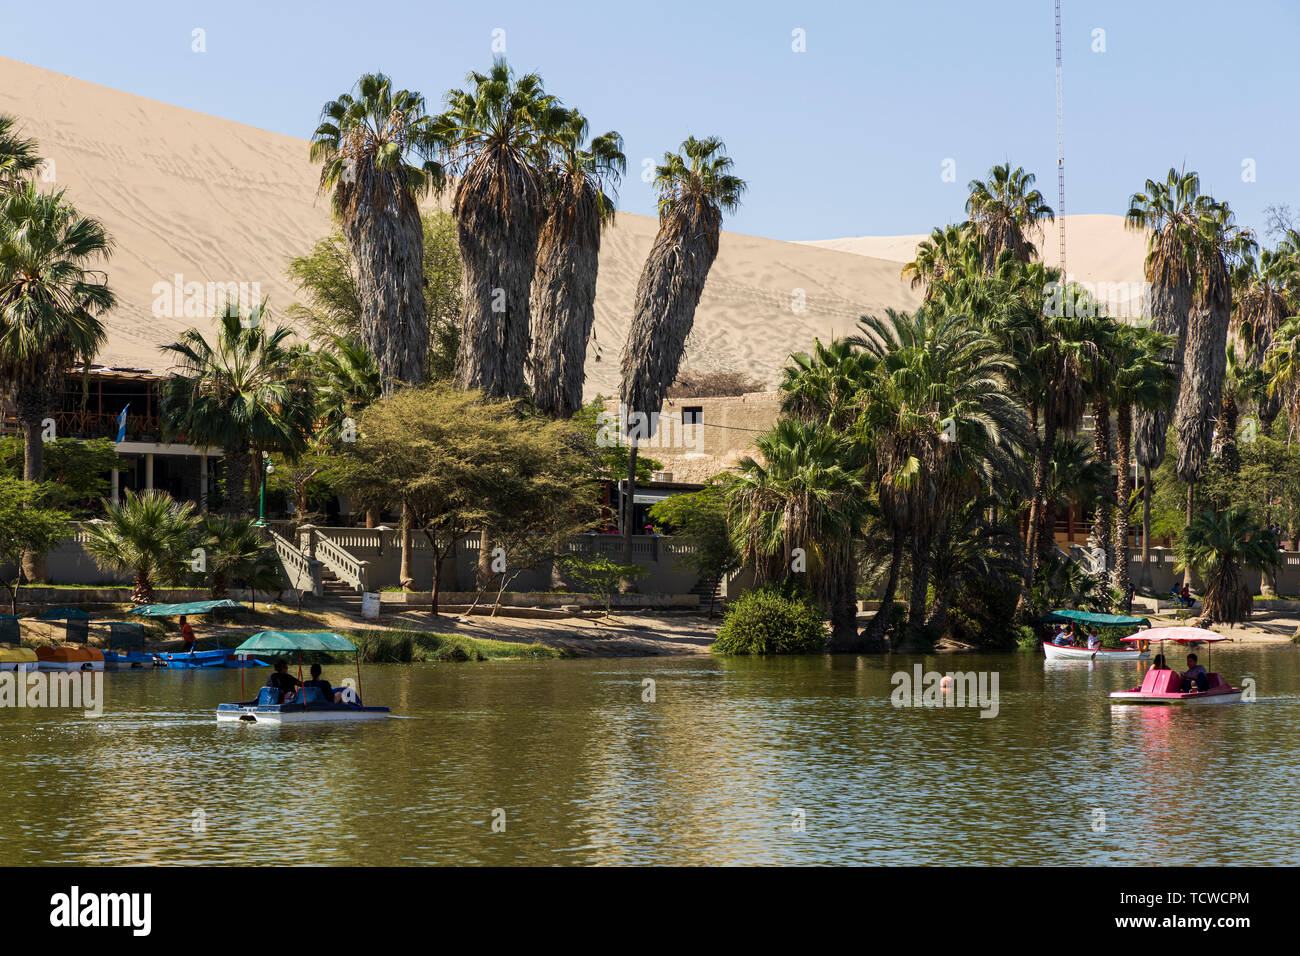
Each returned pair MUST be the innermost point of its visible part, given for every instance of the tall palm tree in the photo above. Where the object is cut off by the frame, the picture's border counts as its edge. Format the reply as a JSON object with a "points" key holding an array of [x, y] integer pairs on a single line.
{"points": [[805, 494], [568, 256], [934, 407], [376, 146], [1006, 210], [1168, 211], [51, 306], [1142, 380], [696, 185], [1100, 387], [496, 135], [1282, 372], [1263, 289], [1205, 353], [18, 155], [246, 392], [147, 535], [1244, 387]]}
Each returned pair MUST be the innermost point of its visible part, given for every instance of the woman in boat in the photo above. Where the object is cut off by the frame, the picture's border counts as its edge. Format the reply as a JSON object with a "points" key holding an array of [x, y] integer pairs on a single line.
{"points": [[324, 686], [1158, 663]]}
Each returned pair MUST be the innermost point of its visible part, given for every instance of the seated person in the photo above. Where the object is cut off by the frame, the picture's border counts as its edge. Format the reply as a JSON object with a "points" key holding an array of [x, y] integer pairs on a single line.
{"points": [[1158, 663], [1185, 595], [325, 687], [1094, 642], [1195, 674], [1061, 637], [282, 680]]}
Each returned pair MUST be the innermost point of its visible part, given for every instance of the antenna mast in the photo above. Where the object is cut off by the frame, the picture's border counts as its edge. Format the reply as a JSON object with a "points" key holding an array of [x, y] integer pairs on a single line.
{"points": [[1060, 144]]}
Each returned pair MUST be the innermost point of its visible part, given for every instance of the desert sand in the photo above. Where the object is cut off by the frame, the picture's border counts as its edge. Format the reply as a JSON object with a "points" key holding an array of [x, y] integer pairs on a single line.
{"points": [[214, 201]]}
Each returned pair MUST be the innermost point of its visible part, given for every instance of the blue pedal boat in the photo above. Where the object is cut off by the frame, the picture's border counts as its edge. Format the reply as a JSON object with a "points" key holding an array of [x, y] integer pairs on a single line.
{"points": [[307, 704], [215, 658]]}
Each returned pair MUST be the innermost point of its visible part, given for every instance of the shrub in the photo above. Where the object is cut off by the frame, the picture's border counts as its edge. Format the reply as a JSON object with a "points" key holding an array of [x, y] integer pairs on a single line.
{"points": [[767, 621]]}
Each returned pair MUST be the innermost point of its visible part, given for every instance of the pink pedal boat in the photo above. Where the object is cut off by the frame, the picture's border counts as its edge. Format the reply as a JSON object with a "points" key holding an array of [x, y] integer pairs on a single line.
{"points": [[1161, 685]]}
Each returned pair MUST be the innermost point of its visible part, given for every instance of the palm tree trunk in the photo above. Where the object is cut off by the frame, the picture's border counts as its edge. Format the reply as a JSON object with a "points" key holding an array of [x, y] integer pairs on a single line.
{"points": [[238, 465], [629, 500], [1187, 572], [142, 592], [1123, 436], [1039, 502], [406, 576], [878, 627], [33, 564], [1145, 578], [844, 603], [1101, 450], [921, 556]]}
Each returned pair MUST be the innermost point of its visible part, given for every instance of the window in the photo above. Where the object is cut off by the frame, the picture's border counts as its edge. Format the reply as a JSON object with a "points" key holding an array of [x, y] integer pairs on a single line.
{"points": [[693, 415]]}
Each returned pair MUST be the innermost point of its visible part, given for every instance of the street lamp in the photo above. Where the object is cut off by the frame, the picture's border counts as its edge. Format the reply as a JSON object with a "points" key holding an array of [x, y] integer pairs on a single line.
{"points": [[268, 468]]}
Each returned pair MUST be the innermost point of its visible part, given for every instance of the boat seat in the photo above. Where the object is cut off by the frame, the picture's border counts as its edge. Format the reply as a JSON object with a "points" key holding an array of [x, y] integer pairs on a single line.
{"points": [[268, 697], [310, 695], [1216, 680], [1162, 681]]}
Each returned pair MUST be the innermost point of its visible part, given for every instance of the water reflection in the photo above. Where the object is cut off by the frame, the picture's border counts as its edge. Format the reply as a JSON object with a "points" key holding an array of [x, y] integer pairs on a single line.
{"points": [[582, 770]]}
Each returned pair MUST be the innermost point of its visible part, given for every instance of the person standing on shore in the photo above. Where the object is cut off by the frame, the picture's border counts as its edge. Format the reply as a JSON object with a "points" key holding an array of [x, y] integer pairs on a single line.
{"points": [[187, 636]]}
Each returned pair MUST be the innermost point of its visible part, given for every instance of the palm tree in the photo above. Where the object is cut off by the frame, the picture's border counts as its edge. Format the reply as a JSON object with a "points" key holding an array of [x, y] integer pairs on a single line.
{"points": [[245, 392], [564, 287], [1219, 546], [933, 410], [51, 306], [1244, 386], [1141, 380], [376, 151], [1205, 353], [496, 135], [1168, 211], [1005, 211], [696, 185], [1263, 288], [234, 550], [1100, 387], [1282, 372], [941, 255], [147, 535], [17, 155], [806, 496]]}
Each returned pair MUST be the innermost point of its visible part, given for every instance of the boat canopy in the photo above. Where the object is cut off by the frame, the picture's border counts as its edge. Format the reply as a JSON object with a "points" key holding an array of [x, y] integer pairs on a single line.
{"points": [[266, 641], [1096, 620], [192, 607], [1179, 635]]}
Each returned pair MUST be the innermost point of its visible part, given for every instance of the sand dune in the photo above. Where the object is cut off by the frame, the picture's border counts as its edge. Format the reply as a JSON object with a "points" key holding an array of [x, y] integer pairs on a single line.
{"points": [[215, 201]]}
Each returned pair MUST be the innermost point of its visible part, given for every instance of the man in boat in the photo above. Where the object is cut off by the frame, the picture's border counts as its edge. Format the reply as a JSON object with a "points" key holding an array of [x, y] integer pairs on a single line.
{"points": [[282, 680], [1062, 637], [324, 686], [1195, 674], [1094, 641], [187, 636]]}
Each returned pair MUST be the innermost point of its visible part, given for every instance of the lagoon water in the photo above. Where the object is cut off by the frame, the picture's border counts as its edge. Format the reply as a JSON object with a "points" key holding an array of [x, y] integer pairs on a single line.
{"points": [[582, 770]]}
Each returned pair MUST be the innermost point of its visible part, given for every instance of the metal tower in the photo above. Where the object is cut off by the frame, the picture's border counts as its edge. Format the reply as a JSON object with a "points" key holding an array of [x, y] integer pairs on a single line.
{"points": [[1060, 144]]}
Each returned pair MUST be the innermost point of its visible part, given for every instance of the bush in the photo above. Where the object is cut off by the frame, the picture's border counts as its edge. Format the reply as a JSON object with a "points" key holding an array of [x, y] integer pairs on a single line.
{"points": [[1027, 638], [767, 621]]}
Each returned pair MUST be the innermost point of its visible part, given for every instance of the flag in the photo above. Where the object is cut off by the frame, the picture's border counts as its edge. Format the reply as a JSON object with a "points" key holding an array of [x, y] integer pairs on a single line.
{"points": [[121, 423]]}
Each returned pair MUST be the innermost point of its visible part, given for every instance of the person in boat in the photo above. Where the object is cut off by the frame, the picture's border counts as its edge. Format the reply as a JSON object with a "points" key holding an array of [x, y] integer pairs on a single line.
{"points": [[187, 636], [1158, 663], [1061, 638], [1195, 674], [1094, 641], [325, 687], [282, 680]]}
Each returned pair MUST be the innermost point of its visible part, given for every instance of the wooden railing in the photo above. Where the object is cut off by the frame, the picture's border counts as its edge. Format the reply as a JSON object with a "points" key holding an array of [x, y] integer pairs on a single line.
{"points": [[87, 424]]}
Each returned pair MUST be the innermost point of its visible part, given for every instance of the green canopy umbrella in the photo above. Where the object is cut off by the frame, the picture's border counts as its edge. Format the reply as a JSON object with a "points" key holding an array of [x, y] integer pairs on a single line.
{"points": [[190, 607], [1096, 620], [266, 641]]}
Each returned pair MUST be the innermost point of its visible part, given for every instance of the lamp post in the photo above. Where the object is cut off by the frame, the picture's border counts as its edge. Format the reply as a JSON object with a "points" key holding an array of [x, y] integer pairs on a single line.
{"points": [[268, 467]]}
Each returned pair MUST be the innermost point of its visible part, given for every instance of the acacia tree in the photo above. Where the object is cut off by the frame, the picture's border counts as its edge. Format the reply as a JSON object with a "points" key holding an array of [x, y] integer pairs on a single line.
{"points": [[27, 525]]}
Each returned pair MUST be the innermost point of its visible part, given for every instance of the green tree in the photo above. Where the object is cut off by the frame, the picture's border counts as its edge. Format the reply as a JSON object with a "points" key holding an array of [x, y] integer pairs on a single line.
{"points": [[76, 471], [18, 156], [147, 535], [234, 551], [1005, 210], [1219, 546], [702, 516], [376, 148], [248, 391], [27, 525]]}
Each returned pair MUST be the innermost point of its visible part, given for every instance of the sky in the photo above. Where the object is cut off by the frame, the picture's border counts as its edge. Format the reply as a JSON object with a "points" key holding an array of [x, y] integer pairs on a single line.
{"points": [[873, 128]]}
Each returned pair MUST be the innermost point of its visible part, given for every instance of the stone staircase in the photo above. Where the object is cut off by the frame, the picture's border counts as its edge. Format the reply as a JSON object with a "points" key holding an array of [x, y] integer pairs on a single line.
{"points": [[705, 589]]}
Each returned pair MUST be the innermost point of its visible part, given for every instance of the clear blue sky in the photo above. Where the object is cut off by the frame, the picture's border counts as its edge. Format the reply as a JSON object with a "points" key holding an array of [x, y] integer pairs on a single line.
{"points": [[847, 138]]}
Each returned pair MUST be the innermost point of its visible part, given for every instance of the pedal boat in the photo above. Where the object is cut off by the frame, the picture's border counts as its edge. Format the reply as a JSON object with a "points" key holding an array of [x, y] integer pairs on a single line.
{"points": [[129, 660], [11, 658], [219, 657], [1164, 686], [64, 657], [307, 704]]}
